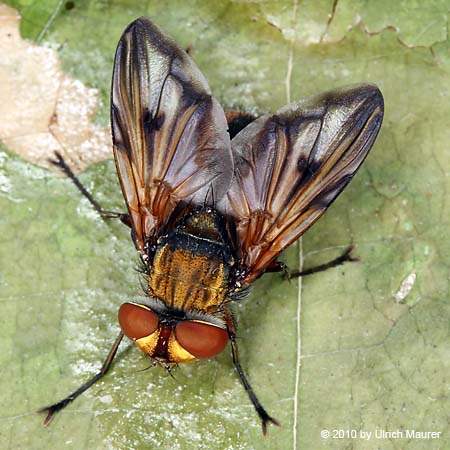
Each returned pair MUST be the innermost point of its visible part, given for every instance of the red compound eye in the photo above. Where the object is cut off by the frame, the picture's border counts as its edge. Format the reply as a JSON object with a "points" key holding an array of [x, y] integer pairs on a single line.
{"points": [[201, 339], [137, 321]]}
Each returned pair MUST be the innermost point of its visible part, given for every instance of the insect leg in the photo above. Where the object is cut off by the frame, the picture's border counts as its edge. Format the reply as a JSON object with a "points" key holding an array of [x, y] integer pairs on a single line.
{"points": [[53, 409], [61, 163], [345, 257], [262, 413], [277, 266]]}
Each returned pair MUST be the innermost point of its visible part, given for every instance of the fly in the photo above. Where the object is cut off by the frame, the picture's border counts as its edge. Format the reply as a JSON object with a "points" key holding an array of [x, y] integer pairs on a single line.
{"points": [[210, 213]]}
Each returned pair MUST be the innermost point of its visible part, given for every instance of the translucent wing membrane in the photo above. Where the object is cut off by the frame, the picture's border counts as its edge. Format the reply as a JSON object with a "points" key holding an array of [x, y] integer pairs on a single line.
{"points": [[170, 135], [290, 166]]}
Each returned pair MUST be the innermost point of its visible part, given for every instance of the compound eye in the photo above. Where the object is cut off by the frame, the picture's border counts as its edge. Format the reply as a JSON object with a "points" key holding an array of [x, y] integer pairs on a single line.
{"points": [[200, 339], [137, 321]]}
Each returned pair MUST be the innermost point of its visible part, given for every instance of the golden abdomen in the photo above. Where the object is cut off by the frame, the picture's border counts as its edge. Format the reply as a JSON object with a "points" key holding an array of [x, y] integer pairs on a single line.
{"points": [[186, 279]]}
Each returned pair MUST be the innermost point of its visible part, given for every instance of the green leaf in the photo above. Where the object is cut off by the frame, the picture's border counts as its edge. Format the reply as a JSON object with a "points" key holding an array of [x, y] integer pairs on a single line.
{"points": [[373, 342]]}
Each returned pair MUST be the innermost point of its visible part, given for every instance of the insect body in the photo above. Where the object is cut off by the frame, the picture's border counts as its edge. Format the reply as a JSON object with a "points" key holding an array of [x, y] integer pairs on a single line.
{"points": [[210, 214], [188, 284]]}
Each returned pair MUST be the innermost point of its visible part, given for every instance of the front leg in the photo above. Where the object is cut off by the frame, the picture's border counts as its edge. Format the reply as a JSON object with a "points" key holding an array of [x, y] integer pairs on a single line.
{"points": [[51, 410], [262, 413]]}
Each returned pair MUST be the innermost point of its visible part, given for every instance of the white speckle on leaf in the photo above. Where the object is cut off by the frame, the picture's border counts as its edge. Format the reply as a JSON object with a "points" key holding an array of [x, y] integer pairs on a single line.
{"points": [[107, 399], [407, 226], [5, 184], [84, 368], [405, 287]]}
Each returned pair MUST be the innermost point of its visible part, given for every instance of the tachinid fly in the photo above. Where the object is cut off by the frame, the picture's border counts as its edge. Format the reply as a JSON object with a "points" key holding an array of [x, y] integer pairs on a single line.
{"points": [[209, 214]]}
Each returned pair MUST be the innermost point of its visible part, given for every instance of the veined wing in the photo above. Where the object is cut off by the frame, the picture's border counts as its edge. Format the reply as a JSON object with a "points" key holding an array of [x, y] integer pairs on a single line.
{"points": [[170, 135], [290, 166]]}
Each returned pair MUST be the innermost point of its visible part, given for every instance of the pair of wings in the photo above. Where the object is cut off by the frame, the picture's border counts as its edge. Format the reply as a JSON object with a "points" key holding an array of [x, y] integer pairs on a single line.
{"points": [[274, 179]]}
